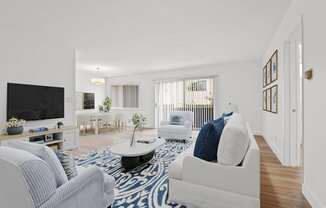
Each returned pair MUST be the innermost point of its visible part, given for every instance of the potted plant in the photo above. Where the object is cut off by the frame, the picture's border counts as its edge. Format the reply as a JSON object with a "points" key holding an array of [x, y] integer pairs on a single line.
{"points": [[15, 126], [138, 121], [107, 104]]}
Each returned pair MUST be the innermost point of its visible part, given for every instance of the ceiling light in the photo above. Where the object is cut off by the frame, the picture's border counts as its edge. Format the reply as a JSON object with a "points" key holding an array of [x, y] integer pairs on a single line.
{"points": [[98, 80]]}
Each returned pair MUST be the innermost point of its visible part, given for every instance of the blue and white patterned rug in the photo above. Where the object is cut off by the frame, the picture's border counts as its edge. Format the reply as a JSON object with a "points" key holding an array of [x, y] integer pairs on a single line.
{"points": [[145, 186]]}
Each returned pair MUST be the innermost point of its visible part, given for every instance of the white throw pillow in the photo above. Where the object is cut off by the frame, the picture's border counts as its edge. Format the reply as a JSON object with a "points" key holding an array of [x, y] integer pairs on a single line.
{"points": [[234, 142]]}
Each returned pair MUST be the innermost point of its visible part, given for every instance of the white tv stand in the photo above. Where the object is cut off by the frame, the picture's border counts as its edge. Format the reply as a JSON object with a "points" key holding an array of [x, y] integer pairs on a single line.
{"points": [[64, 138]]}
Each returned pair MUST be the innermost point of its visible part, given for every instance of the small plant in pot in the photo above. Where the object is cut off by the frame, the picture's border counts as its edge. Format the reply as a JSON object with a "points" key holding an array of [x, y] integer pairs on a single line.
{"points": [[107, 104], [15, 126], [138, 121]]}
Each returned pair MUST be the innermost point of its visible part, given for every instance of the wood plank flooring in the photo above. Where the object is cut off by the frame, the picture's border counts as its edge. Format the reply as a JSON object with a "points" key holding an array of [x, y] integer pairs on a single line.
{"points": [[280, 186]]}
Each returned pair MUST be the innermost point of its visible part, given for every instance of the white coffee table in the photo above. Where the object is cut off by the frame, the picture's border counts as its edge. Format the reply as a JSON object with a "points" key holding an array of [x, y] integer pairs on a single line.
{"points": [[139, 154]]}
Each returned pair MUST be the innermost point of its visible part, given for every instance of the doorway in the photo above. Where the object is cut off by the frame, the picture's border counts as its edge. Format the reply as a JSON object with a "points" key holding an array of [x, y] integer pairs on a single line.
{"points": [[294, 97]]}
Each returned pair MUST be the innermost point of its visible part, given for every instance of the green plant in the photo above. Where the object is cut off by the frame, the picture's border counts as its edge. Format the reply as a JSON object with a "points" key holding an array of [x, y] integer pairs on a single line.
{"points": [[14, 122], [138, 121], [107, 104]]}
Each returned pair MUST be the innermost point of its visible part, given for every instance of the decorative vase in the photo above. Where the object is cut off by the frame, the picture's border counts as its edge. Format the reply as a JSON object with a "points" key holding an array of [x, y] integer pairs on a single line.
{"points": [[15, 130], [107, 109], [133, 140]]}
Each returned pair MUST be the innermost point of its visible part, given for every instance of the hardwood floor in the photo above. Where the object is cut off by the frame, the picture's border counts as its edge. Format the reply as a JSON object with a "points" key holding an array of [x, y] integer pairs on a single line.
{"points": [[280, 186]]}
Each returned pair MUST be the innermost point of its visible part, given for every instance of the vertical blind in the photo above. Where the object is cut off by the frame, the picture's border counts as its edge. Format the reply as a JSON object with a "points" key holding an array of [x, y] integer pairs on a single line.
{"points": [[125, 96], [194, 95]]}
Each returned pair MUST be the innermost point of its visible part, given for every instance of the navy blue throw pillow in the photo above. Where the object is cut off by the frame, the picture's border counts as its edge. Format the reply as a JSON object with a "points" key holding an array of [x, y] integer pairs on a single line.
{"points": [[208, 140], [227, 114]]}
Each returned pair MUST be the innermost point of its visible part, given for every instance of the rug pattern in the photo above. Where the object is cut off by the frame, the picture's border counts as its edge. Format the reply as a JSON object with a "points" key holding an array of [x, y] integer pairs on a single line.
{"points": [[145, 186]]}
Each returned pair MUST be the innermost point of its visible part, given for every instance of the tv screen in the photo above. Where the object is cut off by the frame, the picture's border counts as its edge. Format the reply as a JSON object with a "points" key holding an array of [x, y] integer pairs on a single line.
{"points": [[32, 102], [89, 101]]}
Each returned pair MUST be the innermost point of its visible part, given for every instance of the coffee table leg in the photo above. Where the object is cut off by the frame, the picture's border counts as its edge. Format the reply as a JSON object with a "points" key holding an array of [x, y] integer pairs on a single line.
{"points": [[129, 163]]}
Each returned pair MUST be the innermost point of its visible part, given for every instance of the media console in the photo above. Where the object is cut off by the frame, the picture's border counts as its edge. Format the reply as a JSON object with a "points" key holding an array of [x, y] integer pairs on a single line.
{"points": [[63, 138]]}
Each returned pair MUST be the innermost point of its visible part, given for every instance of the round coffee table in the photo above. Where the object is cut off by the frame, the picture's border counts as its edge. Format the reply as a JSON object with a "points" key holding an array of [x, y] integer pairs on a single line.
{"points": [[141, 153]]}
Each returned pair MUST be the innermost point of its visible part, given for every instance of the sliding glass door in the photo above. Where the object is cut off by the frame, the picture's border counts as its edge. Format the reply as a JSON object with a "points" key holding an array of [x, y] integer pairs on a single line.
{"points": [[194, 95]]}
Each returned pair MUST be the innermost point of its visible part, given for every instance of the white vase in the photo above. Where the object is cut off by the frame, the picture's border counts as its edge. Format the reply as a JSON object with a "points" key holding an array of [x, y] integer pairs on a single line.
{"points": [[133, 140]]}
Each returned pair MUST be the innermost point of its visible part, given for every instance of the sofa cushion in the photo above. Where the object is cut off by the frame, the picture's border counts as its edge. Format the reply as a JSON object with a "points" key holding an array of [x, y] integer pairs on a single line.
{"points": [[46, 154], [227, 114], [208, 140], [234, 142]]}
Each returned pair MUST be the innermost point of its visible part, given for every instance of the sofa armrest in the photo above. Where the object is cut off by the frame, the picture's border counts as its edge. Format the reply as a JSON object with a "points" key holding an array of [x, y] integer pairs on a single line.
{"points": [[83, 191], [238, 179], [163, 123]]}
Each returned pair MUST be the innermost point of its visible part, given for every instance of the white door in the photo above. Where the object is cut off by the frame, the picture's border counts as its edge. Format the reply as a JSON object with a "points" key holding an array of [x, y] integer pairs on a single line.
{"points": [[296, 96]]}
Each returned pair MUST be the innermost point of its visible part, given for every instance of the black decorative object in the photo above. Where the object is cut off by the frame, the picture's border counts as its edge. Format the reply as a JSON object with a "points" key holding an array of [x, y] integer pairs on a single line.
{"points": [[59, 125]]}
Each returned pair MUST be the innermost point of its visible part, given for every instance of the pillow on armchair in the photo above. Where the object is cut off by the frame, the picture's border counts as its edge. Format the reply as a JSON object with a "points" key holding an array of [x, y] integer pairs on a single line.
{"points": [[176, 120], [208, 140], [68, 163]]}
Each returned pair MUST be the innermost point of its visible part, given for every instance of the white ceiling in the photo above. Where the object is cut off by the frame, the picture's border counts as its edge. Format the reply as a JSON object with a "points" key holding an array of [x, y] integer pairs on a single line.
{"points": [[127, 37]]}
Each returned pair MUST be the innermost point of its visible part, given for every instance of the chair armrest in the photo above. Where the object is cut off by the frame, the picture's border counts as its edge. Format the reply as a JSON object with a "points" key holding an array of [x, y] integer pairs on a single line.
{"points": [[163, 123], [237, 179], [188, 124], [85, 190]]}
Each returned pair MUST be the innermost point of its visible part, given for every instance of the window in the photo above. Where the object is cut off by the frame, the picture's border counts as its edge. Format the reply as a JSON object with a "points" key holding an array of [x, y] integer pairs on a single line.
{"points": [[200, 85], [125, 96], [194, 95]]}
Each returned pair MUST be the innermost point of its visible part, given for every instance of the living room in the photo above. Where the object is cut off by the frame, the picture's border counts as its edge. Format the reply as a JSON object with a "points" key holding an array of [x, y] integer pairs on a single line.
{"points": [[124, 91]]}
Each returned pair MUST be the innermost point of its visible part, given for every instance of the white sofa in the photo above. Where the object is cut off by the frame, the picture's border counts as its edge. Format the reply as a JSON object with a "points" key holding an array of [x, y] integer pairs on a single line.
{"points": [[198, 183], [177, 132]]}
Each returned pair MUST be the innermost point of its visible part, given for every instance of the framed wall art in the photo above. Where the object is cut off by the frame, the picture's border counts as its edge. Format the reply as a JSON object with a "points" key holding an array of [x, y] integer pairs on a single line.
{"points": [[264, 76], [268, 73], [274, 66], [274, 99], [264, 100], [268, 99]]}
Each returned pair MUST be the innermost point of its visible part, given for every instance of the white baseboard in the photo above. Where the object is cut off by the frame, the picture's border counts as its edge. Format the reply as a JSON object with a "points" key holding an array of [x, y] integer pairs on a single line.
{"points": [[257, 133], [311, 198], [275, 150]]}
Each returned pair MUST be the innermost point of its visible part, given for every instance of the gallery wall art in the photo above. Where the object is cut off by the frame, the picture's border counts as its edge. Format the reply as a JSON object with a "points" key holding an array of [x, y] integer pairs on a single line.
{"points": [[270, 92]]}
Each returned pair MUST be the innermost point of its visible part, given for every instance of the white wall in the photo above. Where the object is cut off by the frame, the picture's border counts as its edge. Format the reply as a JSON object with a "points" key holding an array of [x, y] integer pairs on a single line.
{"points": [[237, 83], [273, 124], [314, 102], [34, 52], [83, 84]]}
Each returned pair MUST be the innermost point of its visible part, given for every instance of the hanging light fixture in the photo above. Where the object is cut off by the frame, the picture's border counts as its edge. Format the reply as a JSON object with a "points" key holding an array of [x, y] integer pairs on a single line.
{"points": [[98, 80]]}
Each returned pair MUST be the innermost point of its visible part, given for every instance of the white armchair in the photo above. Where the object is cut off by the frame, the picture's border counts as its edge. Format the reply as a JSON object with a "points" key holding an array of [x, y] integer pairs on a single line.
{"points": [[177, 131], [30, 182]]}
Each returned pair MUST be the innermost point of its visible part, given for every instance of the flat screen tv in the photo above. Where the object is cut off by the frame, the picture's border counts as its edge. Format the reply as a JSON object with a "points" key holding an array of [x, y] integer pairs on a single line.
{"points": [[89, 101], [32, 102]]}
